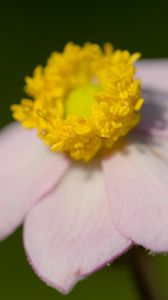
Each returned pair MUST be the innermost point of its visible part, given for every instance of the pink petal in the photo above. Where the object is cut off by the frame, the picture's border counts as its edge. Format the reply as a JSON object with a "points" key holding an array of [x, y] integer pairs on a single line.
{"points": [[70, 234], [28, 170], [136, 179], [154, 74]]}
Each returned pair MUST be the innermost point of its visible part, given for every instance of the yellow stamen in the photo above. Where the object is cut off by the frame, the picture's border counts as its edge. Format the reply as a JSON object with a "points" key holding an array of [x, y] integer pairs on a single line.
{"points": [[84, 100]]}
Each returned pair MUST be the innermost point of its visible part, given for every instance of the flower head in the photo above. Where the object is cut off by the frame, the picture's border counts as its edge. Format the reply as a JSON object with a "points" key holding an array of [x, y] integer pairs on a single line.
{"points": [[78, 217], [84, 100]]}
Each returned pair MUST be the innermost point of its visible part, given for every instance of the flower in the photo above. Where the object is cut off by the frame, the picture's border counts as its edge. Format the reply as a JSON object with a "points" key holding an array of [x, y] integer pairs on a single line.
{"points": [[79, 216]]}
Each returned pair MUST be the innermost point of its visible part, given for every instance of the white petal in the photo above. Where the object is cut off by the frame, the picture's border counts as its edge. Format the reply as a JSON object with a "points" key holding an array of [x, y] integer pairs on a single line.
{"points": [[28, 170], [70, 234], [137, 185], [154, 74]]}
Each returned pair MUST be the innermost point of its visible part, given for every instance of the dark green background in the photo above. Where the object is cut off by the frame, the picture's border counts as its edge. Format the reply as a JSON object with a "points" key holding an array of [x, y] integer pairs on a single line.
{"points": [[29, 31]]}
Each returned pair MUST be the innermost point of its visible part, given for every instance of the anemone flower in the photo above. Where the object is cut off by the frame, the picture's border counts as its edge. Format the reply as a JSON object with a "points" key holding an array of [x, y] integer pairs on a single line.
{"points": [[95, 179]]}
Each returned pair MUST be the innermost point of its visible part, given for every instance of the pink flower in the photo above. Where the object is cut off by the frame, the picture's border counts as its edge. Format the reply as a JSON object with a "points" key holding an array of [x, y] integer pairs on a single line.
{"points": [[78, 217]]}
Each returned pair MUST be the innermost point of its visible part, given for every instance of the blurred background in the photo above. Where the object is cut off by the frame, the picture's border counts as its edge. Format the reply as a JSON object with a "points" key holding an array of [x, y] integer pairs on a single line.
{"points": [[29, 32]]}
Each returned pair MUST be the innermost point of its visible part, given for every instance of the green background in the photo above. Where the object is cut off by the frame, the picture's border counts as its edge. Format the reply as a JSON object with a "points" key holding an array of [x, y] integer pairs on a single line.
{"points": [[29, 32]]}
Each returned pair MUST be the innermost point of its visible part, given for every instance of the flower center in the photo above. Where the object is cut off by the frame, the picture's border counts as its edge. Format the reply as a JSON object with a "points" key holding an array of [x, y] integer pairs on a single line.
{"points": [[80, 100], [70, 112]]}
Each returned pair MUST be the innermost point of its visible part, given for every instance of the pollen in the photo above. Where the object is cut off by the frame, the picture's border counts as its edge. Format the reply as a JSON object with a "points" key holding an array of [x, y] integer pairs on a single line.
{"points": [[83, 100]]}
